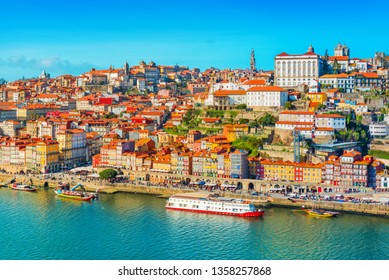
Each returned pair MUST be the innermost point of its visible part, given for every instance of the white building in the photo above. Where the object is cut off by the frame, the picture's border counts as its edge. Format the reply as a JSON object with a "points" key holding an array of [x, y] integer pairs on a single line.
{"points": [[9, 128], [297, 116], [253, 83], [385, 181], [324, 132], [314, 87], [358, 64], [343, 62], [310, 132], [334, 121], [379, 129], [266, 96], [299, 69], [224, 85], [341, 50], [361, 108], [229, 97], [339, 81], [346, 64], [291, 125]]}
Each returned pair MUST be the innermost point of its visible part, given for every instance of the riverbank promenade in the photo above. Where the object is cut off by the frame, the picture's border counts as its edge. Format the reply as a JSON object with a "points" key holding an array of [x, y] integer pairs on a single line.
{"points": [[360, 205]]}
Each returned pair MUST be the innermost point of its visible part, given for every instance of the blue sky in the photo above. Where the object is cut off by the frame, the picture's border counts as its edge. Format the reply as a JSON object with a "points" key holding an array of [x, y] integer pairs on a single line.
{"points": [[70, 37]]}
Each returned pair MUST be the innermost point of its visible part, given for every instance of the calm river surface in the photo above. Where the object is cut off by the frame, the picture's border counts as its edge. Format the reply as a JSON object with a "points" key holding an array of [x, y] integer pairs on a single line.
{"points": [[137, 227]]}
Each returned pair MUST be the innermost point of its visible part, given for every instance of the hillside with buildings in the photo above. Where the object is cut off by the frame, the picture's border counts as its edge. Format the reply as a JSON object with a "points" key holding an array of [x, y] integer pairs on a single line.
{"points": [[314, 119]]}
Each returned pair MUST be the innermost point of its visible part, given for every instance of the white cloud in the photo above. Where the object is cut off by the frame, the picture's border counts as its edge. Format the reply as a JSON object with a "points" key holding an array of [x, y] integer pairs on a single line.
{"points": [[54, 65]]}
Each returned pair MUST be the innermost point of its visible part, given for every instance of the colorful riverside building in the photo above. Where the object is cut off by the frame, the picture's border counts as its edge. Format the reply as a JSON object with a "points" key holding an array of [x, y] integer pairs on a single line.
{"points": [[256, 170], [239, 164], [72, 147], [181, 162], [43, 156], [351, 170], [112, 153], [289, 171]]}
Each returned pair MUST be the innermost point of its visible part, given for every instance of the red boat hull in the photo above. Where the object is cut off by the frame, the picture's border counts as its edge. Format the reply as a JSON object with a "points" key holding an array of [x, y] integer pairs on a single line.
{"points": [[259, 213]]}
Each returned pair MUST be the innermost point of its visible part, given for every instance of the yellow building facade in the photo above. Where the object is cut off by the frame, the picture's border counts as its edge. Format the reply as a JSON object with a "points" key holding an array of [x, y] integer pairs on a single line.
{"points": [[319, 97]]}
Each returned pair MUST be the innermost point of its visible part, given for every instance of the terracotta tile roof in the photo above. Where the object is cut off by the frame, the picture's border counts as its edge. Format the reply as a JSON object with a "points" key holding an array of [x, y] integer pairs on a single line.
{"points": [[329, 116], [334, 76], [294, 123], [297, 113], [254, 83], [211, 120], [338, 58], [266, 89], [324, 129], [350, 153], [229, 92]]}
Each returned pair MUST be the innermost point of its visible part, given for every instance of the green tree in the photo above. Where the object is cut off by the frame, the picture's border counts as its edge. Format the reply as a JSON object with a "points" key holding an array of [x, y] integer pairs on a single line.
{"points": [[241, 106], [2, 81], [172, 130], [254, 124], [288, 105], [363, 134], [326, 66], [248, 143], [110, 115], [244, 121], [267, 119], [108, 174], [348, 119], [34, 116], [191, 114], [356, 135], [336, 67], [321, 107]]}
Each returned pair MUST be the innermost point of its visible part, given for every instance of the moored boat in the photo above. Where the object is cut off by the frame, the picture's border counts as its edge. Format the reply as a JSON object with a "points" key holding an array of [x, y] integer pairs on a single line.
{"points": [[321, 213], [21, 187], [74, 194], [204, 203]]}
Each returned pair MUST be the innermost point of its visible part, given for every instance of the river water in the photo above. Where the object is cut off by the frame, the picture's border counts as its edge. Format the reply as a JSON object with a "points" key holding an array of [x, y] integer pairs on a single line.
{"points": [[137, 227]]}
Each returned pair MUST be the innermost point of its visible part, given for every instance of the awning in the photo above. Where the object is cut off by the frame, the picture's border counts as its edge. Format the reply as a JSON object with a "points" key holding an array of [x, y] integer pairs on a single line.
{"points": [[228, 186]]}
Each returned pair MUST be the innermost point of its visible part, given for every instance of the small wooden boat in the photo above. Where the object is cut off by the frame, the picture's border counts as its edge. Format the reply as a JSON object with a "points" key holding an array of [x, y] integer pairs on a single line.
{"points": [[321, 213], [26, 188], [75, 195]]}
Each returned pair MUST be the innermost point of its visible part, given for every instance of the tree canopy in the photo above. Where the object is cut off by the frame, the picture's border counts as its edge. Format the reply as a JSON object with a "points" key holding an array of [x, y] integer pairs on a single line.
{"points": [[267, 119], [108, 174], [336, 67], [241, 106], [289, 105], [248, 143]]}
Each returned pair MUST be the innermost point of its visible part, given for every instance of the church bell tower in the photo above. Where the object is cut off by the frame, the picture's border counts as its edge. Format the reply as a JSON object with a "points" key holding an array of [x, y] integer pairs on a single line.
{"points": [[252, 61]]}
